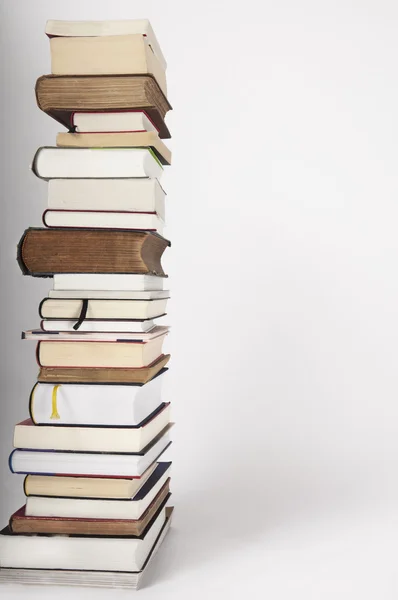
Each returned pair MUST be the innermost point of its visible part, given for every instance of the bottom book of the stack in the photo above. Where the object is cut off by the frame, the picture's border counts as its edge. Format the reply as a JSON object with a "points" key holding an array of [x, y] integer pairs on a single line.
{"points": [[126, 558]]}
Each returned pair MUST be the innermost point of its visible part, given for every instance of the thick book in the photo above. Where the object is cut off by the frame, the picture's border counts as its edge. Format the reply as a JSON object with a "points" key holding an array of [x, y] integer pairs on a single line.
{"points": [[86, 578], [43, 252], [109, 282], [123, 121], [89, 508], [105, 28], [98, 553], [57, 163], [146, 139], [21, 522], [106, 55], [89, 404], [116, 353], [61, 96], [103, 220], [96, 309], [86, 438], [119, 195], [86, 487], [102, 375], [48, 462]]}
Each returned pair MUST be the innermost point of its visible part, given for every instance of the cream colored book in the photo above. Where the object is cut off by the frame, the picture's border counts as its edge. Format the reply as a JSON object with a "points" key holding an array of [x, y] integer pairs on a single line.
{"points": [[99, 354], [85, 487], [106, 28], [137, 139], [110, 55]]}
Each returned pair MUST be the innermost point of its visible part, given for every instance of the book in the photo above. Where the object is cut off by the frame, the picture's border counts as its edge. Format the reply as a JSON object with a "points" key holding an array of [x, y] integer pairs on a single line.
{"points": [[69, 308], [92, 326], [54, 163], [106, 55], [98, 579], [119, 195], [142, 337], [110, 295], [89, 508], [103, 220], [21, 522], [143, 139], [80, 552], [86, 438], [131, 282], [102, 375], [124, 120], [105, 28], [89, 404], [48, 462], [86, 487], [59, 97], [118, 354], [43, 252]]}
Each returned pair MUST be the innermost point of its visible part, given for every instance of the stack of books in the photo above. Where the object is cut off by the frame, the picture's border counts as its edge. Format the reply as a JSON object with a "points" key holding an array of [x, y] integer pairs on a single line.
{"points": [[97, 505]]}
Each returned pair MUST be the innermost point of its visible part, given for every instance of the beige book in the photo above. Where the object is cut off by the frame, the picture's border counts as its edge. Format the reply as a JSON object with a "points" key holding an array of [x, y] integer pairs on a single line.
{"points": [[141, 139], [99, 354], [110, 55], [106, 28], [85, 487]]}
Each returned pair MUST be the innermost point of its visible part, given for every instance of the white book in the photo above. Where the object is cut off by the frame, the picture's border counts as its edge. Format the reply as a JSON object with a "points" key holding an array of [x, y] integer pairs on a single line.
{"points": [[85, 438], [80, 552], [96, 404], [112, 309], [105, 281], [44, 462], [142, 338], [106, 28], [103, 220], [132, 195], [110, 295], [89, 508], [103, 326], [100, 163], [109, 122], [98, 579]]}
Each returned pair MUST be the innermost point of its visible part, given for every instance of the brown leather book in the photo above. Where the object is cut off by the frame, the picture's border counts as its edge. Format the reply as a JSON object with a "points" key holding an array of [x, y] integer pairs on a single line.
{"points": [[61, 95], [43, 252], [102, 375], [20, 523]]}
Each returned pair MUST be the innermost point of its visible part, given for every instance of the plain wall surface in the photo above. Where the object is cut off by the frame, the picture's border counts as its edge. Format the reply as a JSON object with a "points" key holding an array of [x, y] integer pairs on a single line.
{"points": [[282, 209]]}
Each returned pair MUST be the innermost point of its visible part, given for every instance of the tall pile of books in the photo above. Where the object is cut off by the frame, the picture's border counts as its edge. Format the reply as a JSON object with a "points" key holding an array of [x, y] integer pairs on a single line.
{"points": [[97, 505]]}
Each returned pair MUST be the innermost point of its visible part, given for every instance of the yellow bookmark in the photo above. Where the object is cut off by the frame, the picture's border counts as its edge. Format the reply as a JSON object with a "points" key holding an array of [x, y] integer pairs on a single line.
{"points": [[54, 414]]}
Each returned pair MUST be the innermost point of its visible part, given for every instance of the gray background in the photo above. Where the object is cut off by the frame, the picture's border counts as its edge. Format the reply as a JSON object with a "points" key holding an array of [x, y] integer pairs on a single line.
{"points": [[282, 209]]}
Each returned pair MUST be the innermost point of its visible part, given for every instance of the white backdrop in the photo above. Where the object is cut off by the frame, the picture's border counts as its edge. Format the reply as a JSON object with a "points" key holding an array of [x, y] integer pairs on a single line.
{"points": [[283, 212]]}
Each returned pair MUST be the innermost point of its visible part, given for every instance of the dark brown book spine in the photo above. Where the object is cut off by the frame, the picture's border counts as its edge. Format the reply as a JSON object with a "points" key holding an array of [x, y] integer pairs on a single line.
{"points": [[43, 252]]}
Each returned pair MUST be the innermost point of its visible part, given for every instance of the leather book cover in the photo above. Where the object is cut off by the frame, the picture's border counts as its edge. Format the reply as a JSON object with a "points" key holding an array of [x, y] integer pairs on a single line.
{"points": [[43, 252], [61, 95], [101, 375], [20, 523]]}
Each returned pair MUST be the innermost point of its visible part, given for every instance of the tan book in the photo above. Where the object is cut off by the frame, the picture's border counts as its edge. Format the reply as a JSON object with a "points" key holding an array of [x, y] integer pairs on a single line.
{"points": [[21, 523], [107, 55], [106, 28], [61, 96], [117, 140], [102, 375], [85, 487]]}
